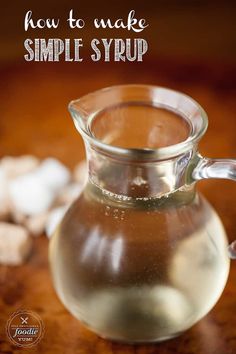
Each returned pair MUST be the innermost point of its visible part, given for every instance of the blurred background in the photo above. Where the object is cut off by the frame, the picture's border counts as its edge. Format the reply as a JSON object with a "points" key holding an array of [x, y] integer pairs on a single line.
{"points": [[192, 48]]}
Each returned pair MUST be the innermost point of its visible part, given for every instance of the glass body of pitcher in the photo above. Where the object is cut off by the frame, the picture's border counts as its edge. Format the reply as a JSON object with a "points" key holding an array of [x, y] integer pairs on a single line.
{"points": [[140, 256]]}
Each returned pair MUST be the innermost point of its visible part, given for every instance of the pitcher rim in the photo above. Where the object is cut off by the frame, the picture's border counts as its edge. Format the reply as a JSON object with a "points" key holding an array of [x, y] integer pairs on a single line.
{"points": [[144, 153]]}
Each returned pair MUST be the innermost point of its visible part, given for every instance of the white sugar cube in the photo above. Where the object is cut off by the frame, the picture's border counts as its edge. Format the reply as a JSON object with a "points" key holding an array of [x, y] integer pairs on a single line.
{"points": [[80, 174], [29, 195], [36, 224], [69, 193], [53, 174], [4, 196], [4, 211], [16, 166], [3, 185], [54, 218], [17, 216], [15, 244]]}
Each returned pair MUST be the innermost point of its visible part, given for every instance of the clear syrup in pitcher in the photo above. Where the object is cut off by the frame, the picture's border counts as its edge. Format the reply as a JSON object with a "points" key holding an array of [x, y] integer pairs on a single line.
{"points": [[140, 269]]}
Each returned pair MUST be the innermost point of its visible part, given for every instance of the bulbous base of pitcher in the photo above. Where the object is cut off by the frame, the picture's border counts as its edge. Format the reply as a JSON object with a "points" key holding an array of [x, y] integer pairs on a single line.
{"points": [[139, 273], [122, 326], [145, 333]]}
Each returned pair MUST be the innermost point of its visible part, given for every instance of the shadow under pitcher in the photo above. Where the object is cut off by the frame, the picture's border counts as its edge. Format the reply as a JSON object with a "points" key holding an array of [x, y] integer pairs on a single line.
{"points": [[141, 256]]}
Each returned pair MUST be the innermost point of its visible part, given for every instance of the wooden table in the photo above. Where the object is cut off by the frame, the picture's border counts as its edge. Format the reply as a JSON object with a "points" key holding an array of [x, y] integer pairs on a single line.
{"points": [[34, 119]]}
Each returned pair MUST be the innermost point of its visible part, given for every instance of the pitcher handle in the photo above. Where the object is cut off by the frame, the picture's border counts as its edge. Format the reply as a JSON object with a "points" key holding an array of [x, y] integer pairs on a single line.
{"points": [[216, 168]]}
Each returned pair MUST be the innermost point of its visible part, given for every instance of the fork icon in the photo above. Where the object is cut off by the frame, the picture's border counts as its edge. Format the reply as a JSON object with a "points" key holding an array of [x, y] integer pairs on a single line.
{"points": [[24, 320]]}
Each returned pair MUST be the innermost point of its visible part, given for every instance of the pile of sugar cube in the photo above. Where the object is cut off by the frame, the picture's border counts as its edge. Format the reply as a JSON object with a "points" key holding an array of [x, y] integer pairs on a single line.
{"points": [[34, 195]]}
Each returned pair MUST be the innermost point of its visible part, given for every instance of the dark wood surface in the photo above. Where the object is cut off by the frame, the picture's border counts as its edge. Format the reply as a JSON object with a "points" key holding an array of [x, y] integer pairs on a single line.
{"points": [[34, 119]]}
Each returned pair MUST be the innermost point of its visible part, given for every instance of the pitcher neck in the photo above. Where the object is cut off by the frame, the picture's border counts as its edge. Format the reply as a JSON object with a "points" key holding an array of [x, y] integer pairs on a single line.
{"points": [[137, 179], [140, 139]]}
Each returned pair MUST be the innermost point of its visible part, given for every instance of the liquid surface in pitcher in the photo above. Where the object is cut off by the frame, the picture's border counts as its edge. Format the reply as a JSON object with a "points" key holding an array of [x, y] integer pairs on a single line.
{"points": [[139, 269], [139, 126]]}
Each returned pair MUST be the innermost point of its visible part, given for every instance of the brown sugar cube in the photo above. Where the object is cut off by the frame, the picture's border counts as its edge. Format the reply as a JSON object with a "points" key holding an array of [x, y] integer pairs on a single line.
{"points": [[15, 244]]}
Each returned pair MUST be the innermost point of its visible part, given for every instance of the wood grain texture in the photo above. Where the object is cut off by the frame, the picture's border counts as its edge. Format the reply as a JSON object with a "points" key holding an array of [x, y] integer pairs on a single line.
{"points": [[34, 119]]}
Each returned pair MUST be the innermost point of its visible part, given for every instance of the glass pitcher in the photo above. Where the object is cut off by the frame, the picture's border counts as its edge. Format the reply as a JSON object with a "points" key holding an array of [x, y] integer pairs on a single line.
{"points": [[141, 256]]}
